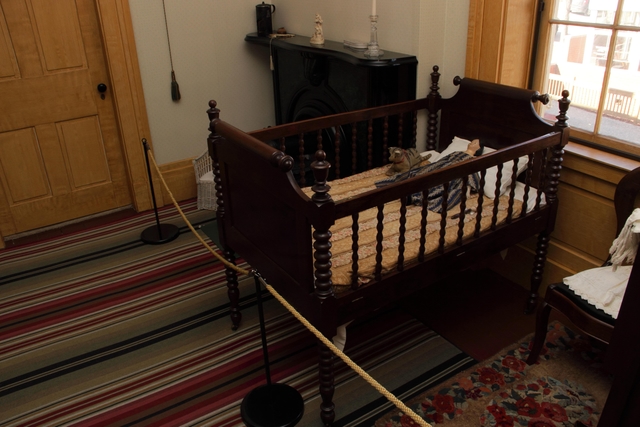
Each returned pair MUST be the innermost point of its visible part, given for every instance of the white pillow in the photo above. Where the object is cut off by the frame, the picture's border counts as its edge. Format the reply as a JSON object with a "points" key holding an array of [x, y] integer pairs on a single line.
{"points": [[459, 144], [491, 178]]}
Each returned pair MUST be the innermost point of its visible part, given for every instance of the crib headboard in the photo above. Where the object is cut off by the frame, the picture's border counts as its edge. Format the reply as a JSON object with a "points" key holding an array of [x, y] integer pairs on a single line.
{"points": [[498, 115]]}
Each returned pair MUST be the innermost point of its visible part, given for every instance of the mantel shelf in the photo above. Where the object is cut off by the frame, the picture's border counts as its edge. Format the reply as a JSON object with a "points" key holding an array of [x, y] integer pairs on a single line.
{"points": [[333, 49]]}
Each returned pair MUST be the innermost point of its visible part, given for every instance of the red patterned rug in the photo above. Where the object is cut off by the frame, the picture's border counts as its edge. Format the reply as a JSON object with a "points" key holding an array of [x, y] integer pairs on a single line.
{"points": [[566, 385]]}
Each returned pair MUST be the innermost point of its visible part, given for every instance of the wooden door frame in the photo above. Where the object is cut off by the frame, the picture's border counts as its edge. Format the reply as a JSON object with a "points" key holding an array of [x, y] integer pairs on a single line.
{"points": [[130, 108], [126, 88]]}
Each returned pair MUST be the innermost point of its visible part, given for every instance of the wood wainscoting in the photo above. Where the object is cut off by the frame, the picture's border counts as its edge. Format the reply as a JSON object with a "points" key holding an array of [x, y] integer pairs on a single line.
{"points": [[586, 223], [181, 180]]}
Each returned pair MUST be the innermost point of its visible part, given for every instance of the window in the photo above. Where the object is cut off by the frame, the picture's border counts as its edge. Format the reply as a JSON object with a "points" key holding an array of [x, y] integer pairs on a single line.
{"points": [[592, 49]]}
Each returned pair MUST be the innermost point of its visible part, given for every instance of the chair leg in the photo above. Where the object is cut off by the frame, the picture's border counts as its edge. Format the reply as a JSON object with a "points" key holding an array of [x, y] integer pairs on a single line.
{"points": [[542, 321]]}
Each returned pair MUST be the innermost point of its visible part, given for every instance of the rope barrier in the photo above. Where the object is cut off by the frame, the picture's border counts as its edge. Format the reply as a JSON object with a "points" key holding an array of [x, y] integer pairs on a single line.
{"points": [[346, 359]]}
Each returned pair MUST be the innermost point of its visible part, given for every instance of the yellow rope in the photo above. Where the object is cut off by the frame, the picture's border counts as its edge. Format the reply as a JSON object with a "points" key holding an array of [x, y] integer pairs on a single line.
{"points": [[346, 359]]}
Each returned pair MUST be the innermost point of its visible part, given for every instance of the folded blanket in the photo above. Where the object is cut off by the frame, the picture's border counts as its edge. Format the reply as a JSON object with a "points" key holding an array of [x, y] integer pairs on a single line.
{"points": [[434, 195]]}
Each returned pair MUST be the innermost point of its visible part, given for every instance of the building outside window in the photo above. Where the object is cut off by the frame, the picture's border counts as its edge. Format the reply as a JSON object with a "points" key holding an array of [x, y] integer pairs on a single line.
{"points": [[592, 49]]}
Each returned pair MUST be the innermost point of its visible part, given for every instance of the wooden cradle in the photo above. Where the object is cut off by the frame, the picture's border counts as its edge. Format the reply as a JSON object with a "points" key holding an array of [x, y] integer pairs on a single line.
{"points": [[288, 233]]}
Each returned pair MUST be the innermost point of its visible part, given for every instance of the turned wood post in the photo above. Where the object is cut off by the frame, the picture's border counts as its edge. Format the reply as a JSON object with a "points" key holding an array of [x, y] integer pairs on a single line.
{"points": [[323, 284], [321, 234], [433, 107], [232, 277], [551, 184]]}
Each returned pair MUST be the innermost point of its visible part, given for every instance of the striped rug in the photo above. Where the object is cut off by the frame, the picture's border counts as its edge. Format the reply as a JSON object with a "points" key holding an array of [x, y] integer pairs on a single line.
{"points": [[98, 328]]}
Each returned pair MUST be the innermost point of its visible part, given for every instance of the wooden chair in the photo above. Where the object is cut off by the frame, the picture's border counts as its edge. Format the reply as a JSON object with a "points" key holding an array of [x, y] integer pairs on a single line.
{"points": [[585, 316]]}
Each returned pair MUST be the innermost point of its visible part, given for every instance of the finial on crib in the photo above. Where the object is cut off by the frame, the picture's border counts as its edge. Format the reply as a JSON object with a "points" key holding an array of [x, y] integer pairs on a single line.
{"points": [[563, 105], [537, 97], [213, 111], [320, 169]]}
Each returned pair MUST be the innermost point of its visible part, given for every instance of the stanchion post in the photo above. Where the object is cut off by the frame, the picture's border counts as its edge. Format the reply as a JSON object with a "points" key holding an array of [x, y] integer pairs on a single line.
{"points": [[270, 405], [160, 233]]}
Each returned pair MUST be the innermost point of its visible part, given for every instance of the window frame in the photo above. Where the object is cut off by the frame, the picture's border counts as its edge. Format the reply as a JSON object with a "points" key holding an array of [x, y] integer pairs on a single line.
{"points": [[540, 77]]}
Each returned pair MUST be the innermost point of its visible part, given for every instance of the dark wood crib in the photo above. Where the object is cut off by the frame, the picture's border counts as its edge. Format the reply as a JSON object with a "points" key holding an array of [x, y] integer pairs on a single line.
{"points": [[303, 205]]}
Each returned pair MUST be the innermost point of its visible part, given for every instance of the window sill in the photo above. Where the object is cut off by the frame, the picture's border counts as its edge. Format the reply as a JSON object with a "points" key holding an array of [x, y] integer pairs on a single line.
{"points": [[601, 157]]}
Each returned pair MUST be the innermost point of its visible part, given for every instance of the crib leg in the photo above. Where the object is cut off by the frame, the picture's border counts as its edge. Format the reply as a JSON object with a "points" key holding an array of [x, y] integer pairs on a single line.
{"points": [[232, 291], [538, 269], [325, 367], [542, 321]]}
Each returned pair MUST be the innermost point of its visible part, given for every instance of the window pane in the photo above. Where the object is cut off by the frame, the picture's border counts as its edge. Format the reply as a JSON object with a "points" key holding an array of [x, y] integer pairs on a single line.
{"points": [[597, 11], [621, 108], [630, 13], [577, 61]]}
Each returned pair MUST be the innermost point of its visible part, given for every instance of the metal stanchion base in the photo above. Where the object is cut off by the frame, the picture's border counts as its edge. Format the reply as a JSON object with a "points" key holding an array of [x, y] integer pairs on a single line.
{"points": [[159, 234], [272, 405]]}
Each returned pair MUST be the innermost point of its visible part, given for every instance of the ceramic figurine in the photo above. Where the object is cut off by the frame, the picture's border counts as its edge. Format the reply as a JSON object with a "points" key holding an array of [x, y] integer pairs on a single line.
{"points": [[318, 37]]}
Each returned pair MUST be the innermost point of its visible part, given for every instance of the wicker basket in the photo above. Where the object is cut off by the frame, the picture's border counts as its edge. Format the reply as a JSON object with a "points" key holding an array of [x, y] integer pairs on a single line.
{"points": [[203, 167]]}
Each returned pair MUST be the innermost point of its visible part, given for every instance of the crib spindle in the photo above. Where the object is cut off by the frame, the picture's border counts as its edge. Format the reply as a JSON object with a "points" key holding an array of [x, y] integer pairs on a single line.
{"points": [[385, 140], [542, 185], [483, 175], [379, 238], [402, 229], [512, 191], [336, 144], [527, 185], [400, 129], [354, 148], [414, 129], [354, 250], [443, 217], [496, 199], [463, 208], [423, 226], [301, 161], [370, 144]]}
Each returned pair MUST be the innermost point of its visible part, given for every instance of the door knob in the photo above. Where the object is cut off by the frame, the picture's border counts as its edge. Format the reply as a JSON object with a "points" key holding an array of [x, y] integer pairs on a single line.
{"points": [[102, 88]]}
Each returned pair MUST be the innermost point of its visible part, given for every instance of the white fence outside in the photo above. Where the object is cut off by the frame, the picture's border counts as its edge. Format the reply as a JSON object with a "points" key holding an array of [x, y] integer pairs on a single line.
{"points": [[620, 104]]}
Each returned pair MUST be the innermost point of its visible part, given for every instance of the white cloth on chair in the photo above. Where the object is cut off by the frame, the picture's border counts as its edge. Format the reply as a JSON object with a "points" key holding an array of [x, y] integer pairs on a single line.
{"points": [[625, 246], [604, 287]]}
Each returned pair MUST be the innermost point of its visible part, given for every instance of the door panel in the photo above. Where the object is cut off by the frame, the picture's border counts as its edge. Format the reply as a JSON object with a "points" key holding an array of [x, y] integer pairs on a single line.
{"points": [[58, 34], [60, 150], [22, 169], [8, 66], [82, 144], [46, 99]]}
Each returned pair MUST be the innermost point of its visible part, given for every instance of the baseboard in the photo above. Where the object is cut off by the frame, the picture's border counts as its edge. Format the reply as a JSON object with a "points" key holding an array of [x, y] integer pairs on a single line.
{"points": [[181, 180]]}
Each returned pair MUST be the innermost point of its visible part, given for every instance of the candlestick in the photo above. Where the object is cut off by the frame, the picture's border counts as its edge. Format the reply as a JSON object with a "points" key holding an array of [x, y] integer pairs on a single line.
{"points": [[373, 51]]}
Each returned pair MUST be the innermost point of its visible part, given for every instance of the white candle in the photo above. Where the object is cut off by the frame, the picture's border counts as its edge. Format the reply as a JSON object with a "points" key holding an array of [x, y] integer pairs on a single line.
{"points": [[373, 7]]}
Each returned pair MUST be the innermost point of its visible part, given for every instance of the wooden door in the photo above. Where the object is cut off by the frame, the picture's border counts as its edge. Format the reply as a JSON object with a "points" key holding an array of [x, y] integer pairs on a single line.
{"points": [[60, 151]]}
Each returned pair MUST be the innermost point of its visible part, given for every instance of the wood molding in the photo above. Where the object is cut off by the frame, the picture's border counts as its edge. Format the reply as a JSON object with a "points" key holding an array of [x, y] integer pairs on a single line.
{"points": [[126, 84], [586, 221], [499, 40], [181, 180]]}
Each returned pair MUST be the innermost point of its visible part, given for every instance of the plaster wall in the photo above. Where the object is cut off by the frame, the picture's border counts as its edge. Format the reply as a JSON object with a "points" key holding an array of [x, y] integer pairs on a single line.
{"points": [[212, 61]]}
